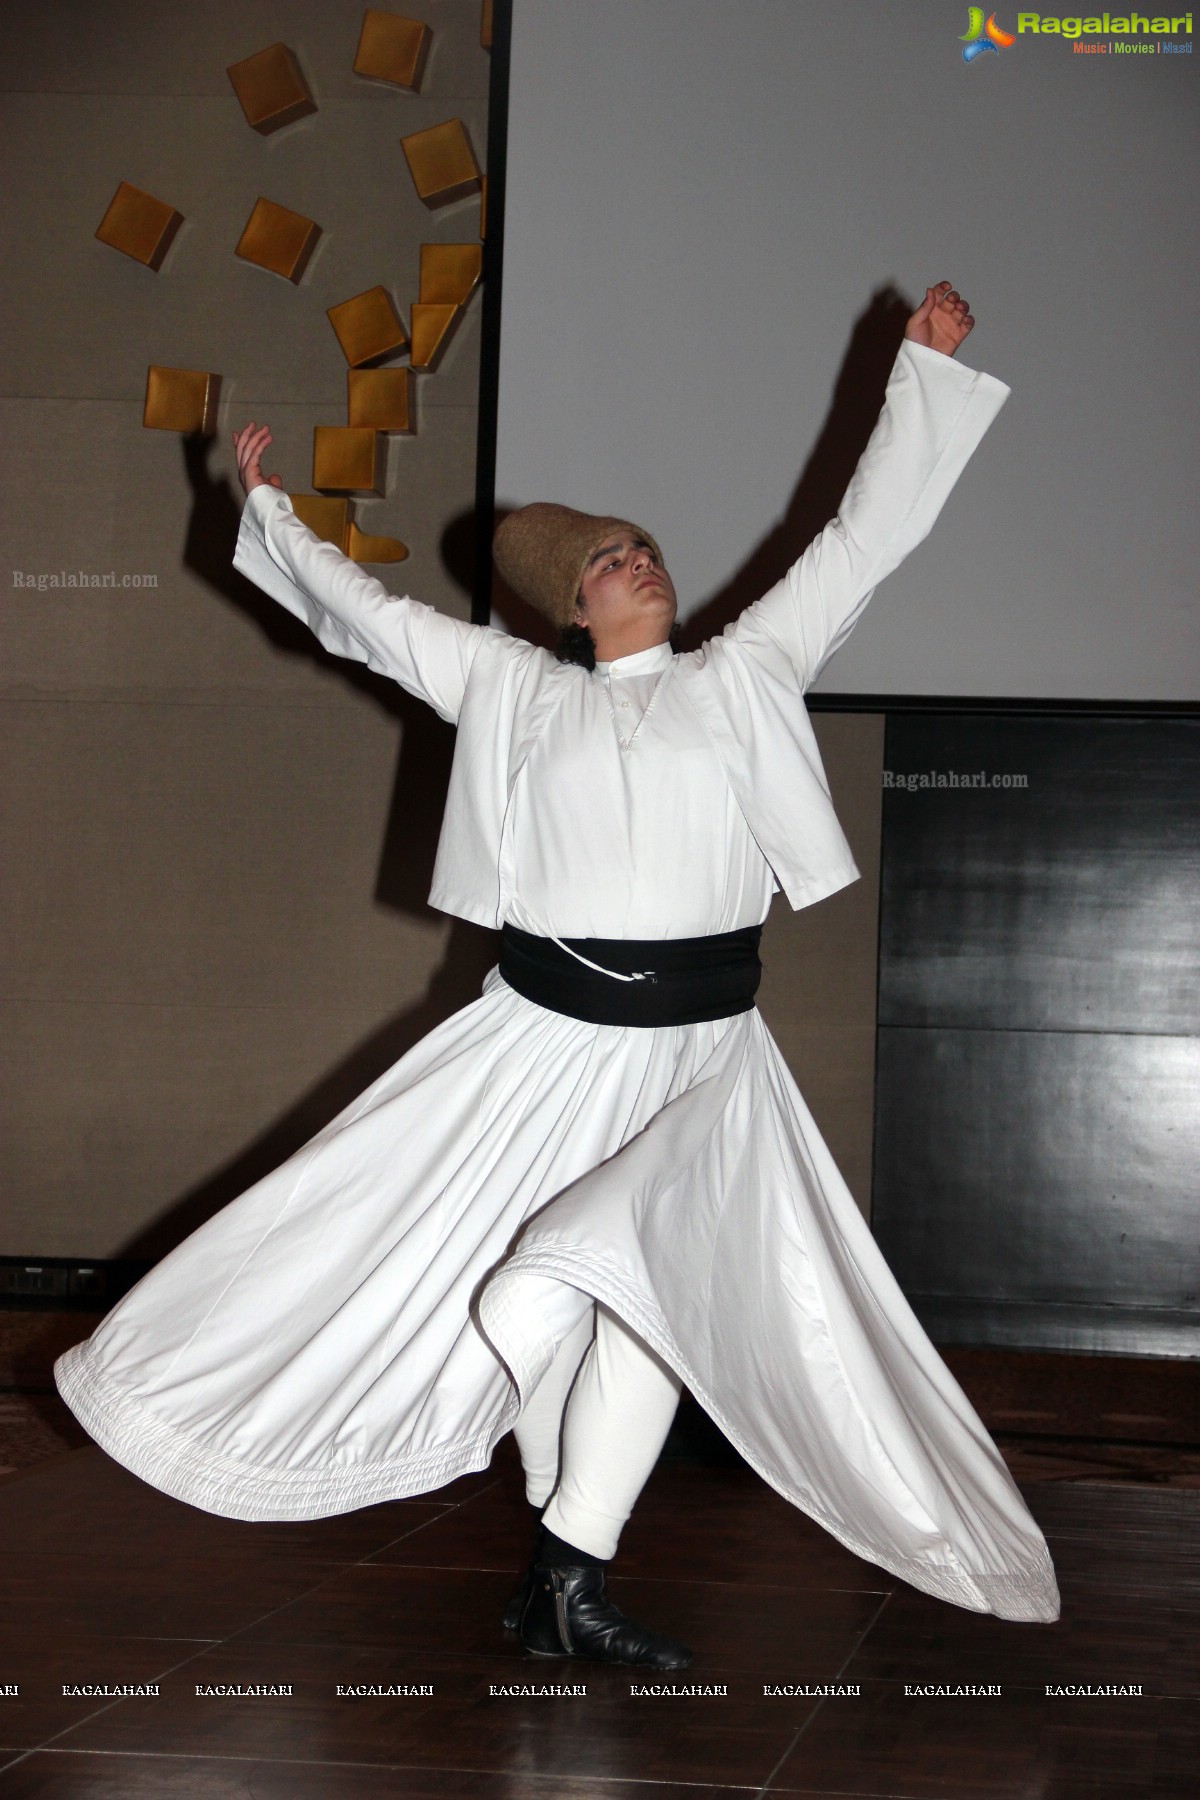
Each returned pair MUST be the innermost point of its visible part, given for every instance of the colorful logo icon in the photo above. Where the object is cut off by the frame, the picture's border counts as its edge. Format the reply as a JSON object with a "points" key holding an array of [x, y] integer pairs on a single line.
{"points": [[980, 36]]}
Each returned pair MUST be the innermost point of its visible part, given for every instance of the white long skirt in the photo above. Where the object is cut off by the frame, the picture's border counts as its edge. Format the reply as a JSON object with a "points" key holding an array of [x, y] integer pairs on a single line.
{"points": [[362, 1324]]}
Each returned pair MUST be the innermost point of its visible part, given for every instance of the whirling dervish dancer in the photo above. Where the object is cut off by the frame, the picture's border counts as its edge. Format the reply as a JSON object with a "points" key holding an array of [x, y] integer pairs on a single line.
{"points": [[598, 1180]]}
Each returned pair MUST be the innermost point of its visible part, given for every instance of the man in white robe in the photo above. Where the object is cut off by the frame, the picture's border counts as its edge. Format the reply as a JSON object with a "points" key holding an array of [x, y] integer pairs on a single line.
{"points": [[545, 1218]]}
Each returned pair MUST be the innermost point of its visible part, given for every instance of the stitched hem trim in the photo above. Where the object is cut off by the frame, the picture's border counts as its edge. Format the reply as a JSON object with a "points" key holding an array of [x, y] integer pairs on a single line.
{"points": [[168, 1459]]}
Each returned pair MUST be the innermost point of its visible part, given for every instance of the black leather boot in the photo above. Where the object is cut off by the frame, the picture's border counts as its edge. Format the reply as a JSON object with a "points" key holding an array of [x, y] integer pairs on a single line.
{"points": [[569, 1613], [518, 1600], [521, 1593]]}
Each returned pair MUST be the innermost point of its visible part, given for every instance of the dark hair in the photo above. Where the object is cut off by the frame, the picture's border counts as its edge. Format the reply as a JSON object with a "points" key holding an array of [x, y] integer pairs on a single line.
{"points": [[577, 645]]}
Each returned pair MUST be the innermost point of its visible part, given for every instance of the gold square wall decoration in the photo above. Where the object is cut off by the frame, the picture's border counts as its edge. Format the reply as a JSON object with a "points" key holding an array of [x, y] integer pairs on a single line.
{"points": [[380, 399], [450, 272], [393, 48], [365, 549], [180, 399], [139, 225], [368, 327], [432, 328], [325, 515], [442, 163], [347, 460], [271, 88], [278, 239], [486, 25]]}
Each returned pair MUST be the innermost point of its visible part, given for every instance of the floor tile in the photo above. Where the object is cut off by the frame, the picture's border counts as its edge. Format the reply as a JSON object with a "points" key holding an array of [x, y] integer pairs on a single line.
{"points": [[40, 1668], [1154, 1466], [33, 1428], [728, 1527], [1100, 1638], [1127, 1564], [88, 1504], [492, 1530], [152, 1593], [1077, 1507], [1009, 1747], [734, 1527], [108, 1581], [602, 1731], [747, 1627], [55, 1775]]}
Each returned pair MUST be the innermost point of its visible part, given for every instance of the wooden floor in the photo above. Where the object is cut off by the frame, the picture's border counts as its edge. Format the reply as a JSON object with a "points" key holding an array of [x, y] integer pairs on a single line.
{"points": [[107, 1582]]}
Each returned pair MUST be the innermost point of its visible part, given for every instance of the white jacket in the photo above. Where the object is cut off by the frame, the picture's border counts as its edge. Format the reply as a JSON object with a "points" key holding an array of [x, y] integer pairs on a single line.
{"points": [[745, 686]]}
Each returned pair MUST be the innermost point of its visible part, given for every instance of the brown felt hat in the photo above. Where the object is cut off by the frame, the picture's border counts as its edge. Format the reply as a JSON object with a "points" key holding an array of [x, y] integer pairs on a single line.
{"points": [[543, 550]]}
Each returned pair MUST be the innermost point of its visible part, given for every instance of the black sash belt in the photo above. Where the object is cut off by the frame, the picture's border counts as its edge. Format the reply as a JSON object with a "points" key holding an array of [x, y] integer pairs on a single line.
{"points": [[684, 980]]}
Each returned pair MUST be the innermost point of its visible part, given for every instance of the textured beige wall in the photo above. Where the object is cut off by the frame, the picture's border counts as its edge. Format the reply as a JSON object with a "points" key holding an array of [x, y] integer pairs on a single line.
{"points": [[216, 841], [820, 965]]}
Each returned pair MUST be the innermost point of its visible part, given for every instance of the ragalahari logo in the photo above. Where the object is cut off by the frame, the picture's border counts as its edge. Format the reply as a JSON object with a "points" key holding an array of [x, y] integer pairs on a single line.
{"points": [[980, 36]]}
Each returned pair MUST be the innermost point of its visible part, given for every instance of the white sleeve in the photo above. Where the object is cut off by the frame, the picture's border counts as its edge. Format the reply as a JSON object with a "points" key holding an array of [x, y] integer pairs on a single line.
{"points": [[935, 412], [351, 613]]}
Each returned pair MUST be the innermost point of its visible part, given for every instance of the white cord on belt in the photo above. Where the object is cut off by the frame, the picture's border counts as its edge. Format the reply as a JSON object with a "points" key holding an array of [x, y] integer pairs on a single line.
{"points": [[641, 975]]}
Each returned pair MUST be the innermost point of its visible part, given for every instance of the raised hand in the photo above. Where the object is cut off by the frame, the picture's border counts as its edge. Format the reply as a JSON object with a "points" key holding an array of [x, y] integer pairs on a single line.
{"points": [[942, 320], [249, 445]]}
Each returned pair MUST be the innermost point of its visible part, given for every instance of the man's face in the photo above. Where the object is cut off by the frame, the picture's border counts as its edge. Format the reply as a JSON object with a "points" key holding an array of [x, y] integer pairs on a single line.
{"points": [[624, 588]]}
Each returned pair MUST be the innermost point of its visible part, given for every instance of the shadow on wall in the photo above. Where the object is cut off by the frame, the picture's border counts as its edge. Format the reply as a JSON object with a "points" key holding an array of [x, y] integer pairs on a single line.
{"points": [[853, 410], [404, 871]]}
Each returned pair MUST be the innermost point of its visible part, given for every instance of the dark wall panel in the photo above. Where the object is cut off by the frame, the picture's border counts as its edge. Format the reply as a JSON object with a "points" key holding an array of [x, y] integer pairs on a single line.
{"points": [[1038, 1098], [1067, 904], [1029, 1170]]}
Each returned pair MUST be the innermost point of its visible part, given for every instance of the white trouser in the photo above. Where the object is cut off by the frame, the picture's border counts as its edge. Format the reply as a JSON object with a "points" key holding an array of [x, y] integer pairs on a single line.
{"points": [[592, 1429]]}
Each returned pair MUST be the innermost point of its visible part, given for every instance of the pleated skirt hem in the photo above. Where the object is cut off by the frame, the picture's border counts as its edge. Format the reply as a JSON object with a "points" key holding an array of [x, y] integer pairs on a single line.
{"points": [[1026, 1592], [171, 1461]]}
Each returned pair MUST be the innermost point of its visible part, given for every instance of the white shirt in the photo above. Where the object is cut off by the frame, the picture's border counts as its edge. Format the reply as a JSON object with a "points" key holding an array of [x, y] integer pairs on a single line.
{"points": [[624, 825], [512, 703]]}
